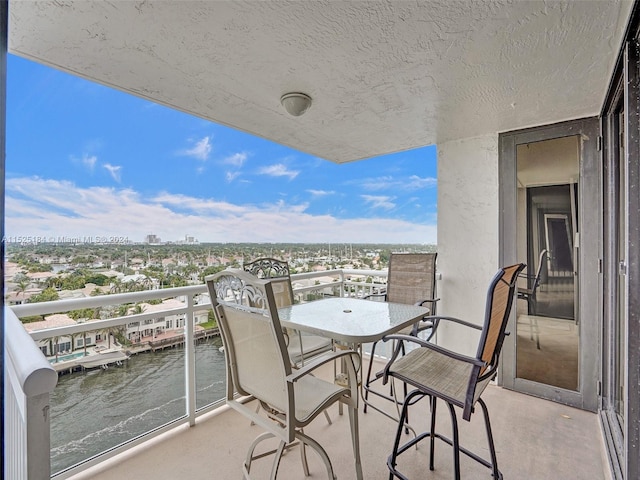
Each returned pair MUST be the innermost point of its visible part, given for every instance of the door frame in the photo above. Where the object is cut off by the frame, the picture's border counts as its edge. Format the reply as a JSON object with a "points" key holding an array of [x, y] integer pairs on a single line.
{"points": [[589, 253], [623, 441]]}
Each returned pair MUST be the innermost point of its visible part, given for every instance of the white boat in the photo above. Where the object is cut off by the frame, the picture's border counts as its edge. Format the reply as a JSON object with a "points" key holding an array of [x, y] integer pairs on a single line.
{"points": [[102, 359]]}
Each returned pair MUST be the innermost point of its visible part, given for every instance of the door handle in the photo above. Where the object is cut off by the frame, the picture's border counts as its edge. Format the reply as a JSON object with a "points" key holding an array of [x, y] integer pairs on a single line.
{"points": [[622, 267]]}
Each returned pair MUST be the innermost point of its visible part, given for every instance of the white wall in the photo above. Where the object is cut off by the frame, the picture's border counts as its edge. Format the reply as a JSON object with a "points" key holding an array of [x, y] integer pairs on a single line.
{"points": [[467, 233]]}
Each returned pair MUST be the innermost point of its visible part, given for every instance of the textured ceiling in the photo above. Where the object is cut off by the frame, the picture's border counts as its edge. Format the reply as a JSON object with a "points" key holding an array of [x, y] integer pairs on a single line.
{"points": [[384, 76]]}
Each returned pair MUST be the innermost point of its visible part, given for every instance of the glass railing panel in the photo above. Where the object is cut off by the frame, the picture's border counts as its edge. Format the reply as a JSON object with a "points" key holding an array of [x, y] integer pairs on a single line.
{"points": [[94, 410], [210, 372]]}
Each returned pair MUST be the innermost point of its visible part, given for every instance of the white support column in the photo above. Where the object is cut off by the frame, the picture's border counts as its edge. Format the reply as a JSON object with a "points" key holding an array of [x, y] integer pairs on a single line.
{"points": [[467, 232]]}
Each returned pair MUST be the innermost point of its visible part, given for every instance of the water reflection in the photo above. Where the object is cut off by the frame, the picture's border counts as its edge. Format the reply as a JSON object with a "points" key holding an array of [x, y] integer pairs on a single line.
{"points": [[97, 410]]}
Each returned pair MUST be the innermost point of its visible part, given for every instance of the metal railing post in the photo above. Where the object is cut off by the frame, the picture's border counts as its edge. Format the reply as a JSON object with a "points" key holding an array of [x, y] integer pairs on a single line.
{"points": [[190, 361]]}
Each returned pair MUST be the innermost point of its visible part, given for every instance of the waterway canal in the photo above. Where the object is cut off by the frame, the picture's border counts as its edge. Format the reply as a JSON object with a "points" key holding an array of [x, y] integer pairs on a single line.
{"points": [[96, 410]]}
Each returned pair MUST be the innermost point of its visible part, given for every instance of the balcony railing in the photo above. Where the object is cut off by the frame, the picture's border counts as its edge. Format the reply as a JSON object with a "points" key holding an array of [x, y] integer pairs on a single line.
{"points": [[29, 379], [307, 287]]}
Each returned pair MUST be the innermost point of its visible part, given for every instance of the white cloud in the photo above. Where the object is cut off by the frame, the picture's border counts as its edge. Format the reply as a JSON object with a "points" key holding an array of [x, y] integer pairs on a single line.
{"points": [[89, 161], [411, 183], [200, 150], [52, 208], [237, 159], [114, 171], [379, 201], [197, 205], [231, 176], [321, 193], [415, 182], [380, 183], [279, 170]]}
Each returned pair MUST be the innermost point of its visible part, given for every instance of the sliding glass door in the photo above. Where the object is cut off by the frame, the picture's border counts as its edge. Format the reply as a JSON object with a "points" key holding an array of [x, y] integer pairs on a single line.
{"points": [[550, 196]]}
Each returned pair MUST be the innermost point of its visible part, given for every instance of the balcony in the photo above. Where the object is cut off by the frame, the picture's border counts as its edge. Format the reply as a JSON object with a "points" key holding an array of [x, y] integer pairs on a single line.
{"points": [[199, 437], [535, 440]]}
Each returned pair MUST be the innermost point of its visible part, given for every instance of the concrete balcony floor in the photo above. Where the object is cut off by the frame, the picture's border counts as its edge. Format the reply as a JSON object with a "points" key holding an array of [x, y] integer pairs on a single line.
{"points": [[535, 439]]}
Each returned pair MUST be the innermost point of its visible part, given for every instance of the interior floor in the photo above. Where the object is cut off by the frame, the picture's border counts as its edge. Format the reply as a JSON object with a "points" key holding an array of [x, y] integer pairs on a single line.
{"points": [[547, 351]]}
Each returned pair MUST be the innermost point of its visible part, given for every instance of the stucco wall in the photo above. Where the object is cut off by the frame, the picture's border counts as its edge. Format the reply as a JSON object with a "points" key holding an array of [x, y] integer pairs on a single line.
{"points": [[467, 232]]}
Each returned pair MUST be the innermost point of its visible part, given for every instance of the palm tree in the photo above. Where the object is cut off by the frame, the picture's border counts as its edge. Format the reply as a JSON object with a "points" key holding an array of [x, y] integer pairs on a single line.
{"points": [[21, 287], [107, 331], [116, 286], [56, 341], [147, 282], [84, 342], [138, 308], [123, 310]]}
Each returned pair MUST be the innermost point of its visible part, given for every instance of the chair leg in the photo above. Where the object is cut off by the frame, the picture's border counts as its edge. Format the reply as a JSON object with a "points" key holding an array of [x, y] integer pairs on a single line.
{"points": [[392, 460], [397, 450], [392, 396], [276, 461], [497, 475], [246, 468], [355, 440], [368, 381], [455, 442], [432, 434], [303, 458], [326, 415], [319, 450]]}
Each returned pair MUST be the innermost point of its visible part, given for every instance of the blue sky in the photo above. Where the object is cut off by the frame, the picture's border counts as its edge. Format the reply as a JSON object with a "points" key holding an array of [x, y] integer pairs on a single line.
{"points": [[84, 160]]}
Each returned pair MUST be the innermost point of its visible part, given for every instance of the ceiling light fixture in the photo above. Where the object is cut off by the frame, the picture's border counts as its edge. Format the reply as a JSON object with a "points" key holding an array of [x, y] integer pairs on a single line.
{"points": [[296, 103]]}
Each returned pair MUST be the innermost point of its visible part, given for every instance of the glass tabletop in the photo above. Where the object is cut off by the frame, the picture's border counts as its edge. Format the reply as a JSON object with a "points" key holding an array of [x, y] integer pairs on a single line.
{"points": [[350, 320]]}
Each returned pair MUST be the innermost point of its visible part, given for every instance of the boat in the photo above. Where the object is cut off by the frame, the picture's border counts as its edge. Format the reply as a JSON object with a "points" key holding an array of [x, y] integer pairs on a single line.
{"points": [[103, 359]]}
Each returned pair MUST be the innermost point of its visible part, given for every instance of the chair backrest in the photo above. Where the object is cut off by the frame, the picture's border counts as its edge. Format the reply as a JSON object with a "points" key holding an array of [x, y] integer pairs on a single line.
{"points": [[412, 277], [270, 268], [499, 300], [254, 345], [542, 265]]}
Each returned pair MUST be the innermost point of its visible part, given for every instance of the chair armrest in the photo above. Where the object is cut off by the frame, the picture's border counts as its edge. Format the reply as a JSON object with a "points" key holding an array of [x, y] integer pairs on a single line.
{"points": [[432, 346], [374, 295], [408, 338], [437, 318], [318, 362], [427, 300], [433, 321]]}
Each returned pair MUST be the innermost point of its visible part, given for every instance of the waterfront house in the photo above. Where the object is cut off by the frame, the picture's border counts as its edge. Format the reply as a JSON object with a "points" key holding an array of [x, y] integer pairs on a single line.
{"points": [[532, 107], [52, 346]]}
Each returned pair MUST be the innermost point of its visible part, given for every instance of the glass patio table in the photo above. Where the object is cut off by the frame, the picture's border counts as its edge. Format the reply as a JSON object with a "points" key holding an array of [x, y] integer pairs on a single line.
{"points": [[351, 321]]}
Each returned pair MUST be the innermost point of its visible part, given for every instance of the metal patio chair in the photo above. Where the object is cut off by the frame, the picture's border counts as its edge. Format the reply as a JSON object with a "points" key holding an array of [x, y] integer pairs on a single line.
{"points": [[411, 280], [458, 380], [301, 346], [529, 293], [258, 365]]}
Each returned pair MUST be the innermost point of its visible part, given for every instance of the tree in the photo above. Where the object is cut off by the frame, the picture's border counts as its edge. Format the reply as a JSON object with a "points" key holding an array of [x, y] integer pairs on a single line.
{"points": [[116, 286], [22, 286], [47, 295], [96, 292], [210, 271]]}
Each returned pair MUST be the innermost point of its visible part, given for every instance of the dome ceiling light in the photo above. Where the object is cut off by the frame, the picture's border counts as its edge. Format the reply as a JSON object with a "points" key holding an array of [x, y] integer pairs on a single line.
{"points": [[296, 103]]}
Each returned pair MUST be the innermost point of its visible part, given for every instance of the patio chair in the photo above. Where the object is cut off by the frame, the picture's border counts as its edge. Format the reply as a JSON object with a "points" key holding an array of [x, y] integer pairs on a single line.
{"points": [[301, 346], [411, 280], [458, 380], [258, 365], [529, 293]]}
